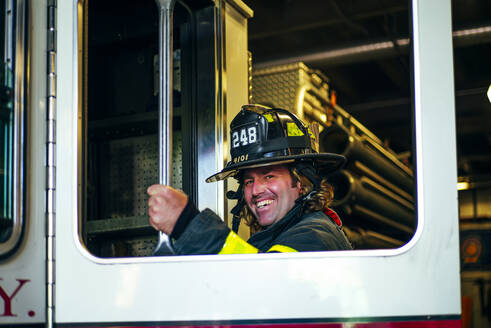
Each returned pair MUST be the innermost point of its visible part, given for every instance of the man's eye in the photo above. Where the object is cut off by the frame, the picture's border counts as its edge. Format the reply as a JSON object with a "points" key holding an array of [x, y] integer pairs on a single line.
{"points": [[269, 176], [247, 182]]}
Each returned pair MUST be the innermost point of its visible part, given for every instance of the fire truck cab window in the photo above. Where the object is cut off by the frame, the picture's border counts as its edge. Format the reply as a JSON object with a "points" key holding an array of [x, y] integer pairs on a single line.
{"points": [[374, 191]]}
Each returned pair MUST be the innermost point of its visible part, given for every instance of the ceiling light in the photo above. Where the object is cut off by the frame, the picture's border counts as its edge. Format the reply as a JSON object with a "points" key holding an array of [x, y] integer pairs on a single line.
{"points": [[489, 93]]}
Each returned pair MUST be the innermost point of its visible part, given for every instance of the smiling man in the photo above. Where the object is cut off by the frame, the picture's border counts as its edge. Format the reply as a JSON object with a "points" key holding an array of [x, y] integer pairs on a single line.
{"points": [[270, 193], [282, 194]]}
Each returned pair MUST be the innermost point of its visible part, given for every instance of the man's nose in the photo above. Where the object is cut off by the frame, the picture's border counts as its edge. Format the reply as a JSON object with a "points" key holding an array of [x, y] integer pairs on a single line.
{"points": [[258, 187]]}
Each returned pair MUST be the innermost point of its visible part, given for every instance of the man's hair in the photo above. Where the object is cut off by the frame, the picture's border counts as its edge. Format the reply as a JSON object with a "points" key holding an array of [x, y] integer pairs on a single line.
{"points": [[321, 199]]}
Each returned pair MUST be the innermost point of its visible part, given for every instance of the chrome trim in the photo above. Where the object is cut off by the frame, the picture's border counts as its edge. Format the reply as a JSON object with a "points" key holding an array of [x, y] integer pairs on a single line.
{"points": [[165, 85], [210, 121], [166, 8], [221, 130], [50, 161], [16, 63]]}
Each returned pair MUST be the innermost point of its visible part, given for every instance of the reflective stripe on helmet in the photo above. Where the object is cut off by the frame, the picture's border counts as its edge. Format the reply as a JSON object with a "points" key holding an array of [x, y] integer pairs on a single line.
{"points": [[269, 117], [292, 129], [236, 245], [282, 249]]}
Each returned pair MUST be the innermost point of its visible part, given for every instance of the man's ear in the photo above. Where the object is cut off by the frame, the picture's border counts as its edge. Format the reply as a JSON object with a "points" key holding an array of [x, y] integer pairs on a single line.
{"points": [[299, 187]]}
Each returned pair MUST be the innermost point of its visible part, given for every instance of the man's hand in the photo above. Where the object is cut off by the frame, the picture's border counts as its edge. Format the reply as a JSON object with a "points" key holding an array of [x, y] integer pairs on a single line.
{"points": [[165, 205]]}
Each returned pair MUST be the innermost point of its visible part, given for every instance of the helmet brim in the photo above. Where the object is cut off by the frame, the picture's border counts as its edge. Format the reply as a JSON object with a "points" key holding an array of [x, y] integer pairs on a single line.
{"points": [[325, 163]]}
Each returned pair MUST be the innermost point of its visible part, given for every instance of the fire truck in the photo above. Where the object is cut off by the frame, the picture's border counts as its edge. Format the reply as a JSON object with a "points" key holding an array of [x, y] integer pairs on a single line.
{"points": [[101, 99]]}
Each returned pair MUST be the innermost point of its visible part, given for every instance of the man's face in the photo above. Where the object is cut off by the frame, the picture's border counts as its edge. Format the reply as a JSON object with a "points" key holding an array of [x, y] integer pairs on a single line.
{"points": [[269, 193]]}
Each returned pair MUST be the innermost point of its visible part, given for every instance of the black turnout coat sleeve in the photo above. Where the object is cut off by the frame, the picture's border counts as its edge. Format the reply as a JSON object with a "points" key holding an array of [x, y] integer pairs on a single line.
{"points": [[204, 234]]}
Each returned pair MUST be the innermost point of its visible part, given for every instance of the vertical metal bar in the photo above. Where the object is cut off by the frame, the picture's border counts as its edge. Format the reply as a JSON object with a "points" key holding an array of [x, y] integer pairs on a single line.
{"points": [[9, 188], [166, 8], [14, 79], [8, 43], [50, 161]]}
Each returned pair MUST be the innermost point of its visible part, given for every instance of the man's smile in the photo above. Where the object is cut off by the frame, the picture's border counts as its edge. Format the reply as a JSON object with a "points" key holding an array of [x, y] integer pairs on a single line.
{"points": [[263, 203]]}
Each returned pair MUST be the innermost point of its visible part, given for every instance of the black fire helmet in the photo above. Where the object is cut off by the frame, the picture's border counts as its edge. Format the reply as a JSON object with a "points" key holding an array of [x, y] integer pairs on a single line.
{"points": [[262, 136]]}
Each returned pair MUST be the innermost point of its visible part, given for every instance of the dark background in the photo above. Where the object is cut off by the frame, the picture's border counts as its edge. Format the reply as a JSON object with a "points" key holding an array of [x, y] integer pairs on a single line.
{"points": [[375, 86]]}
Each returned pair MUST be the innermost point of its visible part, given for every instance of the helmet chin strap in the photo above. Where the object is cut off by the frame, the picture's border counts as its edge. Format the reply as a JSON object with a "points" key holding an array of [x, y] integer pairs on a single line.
{"points": [[239, 195]]}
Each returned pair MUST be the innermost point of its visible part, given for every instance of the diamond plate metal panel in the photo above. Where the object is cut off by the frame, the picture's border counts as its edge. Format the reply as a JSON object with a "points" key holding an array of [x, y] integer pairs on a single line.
{"points": [[132, 166], [142, 246], [276, 88], [294, 87]]}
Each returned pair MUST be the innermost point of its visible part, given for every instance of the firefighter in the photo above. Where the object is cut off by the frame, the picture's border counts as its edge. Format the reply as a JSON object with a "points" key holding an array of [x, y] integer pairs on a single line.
{"points": [[281, 195]]}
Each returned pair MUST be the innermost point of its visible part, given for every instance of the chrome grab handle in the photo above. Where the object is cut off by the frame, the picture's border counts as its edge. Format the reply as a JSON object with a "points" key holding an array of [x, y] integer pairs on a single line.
{"points": [[166, 8]]}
